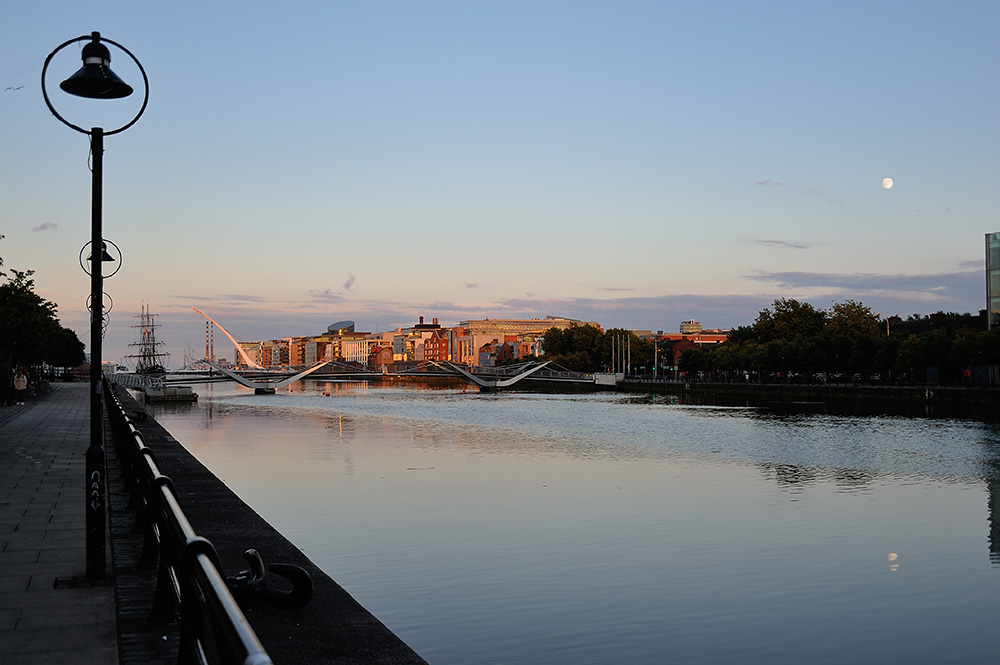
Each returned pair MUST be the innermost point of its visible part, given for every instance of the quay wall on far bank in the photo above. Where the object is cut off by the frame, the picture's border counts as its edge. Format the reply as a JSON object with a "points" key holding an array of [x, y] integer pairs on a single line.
{"points": [[947, 398], [332, 628]]}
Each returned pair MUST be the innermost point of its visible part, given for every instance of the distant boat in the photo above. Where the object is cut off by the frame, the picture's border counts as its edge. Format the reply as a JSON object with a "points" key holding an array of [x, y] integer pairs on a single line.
{"points": [[171, 394]]}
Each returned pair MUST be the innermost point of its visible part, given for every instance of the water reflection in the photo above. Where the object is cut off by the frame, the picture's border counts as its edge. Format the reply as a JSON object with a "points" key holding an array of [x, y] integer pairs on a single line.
{"points": [[874, 407], [609, 528], [789, 474], [990, 443]]}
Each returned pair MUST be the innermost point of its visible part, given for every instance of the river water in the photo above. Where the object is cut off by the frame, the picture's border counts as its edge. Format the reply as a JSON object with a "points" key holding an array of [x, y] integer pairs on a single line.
{"points": [[611, 528]]}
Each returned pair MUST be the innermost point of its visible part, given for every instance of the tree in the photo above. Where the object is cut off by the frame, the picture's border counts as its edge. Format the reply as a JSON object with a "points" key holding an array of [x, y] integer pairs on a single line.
{"points": [[27, 321], [909, 356], [812, 356], [975, 348], [556, 342], [617, 341], [862, 358], [790, 319], [576, 348], [838, 351], [741, 334], [65, 349], [587, 349], [854, 320], [30, 332], [692, 360], [886, 354]]}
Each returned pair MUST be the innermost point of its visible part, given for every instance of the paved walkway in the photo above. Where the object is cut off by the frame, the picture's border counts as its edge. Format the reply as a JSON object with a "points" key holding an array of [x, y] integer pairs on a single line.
{"points": [[49, 612]]}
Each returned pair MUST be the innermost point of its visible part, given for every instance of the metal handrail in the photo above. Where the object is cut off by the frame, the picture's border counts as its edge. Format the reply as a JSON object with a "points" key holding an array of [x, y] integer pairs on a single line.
{"points": [[190, 582]]}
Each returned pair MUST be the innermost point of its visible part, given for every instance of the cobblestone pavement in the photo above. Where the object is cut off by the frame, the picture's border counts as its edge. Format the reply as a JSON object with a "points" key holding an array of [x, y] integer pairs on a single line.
{"points": [[49, 611]]}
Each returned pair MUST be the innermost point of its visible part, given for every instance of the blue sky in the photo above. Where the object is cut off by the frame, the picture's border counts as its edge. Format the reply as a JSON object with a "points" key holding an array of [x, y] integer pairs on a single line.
{"points": [[636, 163]]}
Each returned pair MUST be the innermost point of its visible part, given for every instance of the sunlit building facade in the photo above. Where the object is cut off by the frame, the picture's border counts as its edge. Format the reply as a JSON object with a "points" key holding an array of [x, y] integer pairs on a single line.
{"points": [[471, 336], [993, 279], [353, 349]]}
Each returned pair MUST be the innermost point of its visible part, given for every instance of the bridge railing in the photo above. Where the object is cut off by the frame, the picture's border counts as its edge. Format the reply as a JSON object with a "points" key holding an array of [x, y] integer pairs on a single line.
{"points": [[544, 373], [190, 583], [563, 374]]}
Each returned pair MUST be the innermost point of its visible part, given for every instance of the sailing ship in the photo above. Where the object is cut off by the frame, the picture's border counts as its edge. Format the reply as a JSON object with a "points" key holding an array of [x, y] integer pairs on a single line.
{"points": [[149, 359]]}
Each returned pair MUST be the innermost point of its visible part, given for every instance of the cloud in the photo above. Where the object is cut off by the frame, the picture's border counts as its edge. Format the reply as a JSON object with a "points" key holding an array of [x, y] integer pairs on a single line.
{"points": [[961, 291], [613, 288], [872, 283], [828, 198], [46, 226], [471, 285], [221, 298], [240, 297], [350, 281], [647, 313], [327, 294], [781, 243]]}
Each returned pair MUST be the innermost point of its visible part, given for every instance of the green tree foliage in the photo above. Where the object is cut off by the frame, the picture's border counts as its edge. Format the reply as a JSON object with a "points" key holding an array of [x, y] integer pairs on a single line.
{"points": [[852, 319], [30, 332], [788, 320], [577, 348], [587, 349], [794, 338], [741, 334], [692, 360], [619, 343], [65, 349]]}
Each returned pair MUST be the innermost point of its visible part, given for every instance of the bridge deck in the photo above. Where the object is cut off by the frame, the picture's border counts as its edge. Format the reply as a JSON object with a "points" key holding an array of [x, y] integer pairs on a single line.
{"points": [[491, 378]]}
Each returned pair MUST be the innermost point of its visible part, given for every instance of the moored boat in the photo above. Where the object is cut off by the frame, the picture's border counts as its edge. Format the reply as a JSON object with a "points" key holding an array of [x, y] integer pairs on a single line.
{"points": [[171, 394]]}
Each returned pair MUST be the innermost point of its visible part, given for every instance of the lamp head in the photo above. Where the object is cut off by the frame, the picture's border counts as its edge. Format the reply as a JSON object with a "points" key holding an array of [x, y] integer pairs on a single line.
{"points": [[105, 256], [95, 80]]}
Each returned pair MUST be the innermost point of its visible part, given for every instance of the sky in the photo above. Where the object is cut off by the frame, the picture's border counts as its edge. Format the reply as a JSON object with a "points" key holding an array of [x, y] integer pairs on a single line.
{"points": [[637, 164]]}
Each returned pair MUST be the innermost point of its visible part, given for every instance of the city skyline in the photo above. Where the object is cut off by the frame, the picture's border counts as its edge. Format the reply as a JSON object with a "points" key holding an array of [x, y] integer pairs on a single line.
{"points": [[635, 164]]}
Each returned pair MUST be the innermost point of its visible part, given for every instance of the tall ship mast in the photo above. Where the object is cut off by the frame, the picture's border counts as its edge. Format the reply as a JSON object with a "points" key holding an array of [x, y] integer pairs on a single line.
{"points": [[149, 359]]}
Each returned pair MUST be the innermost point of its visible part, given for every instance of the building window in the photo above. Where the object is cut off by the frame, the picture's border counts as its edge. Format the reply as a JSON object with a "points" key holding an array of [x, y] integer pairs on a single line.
{"points": [[993, 279]]}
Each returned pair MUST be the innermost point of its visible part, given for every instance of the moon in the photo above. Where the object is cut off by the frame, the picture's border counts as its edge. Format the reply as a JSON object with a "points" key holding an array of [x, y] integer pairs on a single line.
{"points": [[886, 183]]}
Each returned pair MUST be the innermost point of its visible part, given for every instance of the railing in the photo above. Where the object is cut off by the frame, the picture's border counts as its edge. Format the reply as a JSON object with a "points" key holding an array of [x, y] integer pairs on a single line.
{"points": [[137, 381], [190, 580]]}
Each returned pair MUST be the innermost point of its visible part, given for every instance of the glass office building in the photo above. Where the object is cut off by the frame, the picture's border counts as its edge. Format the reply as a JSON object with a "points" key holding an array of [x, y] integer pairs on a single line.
{"points": [[993, 279]]}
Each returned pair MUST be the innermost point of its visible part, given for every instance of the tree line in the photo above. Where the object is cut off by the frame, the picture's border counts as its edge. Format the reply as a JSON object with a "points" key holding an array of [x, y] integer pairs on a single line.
{"points": [[587, 349], [795, 341], [31, 335]]}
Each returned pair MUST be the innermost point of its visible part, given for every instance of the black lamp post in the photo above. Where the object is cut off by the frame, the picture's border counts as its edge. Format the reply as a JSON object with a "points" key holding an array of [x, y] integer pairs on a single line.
{"points": [[95, 80]]}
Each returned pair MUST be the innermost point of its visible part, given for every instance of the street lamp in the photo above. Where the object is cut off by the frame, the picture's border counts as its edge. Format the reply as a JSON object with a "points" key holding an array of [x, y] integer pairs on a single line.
{"points": [[95, 80]]}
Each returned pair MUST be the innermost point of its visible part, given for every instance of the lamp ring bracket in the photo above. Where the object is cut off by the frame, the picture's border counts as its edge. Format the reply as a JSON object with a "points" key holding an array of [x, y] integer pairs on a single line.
{"points": [[107, 244], [105, 310], [145, 85]]}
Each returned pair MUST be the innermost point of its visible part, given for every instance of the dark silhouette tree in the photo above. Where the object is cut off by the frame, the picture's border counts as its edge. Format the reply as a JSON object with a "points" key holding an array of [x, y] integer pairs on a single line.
{"points": [[30, 332]]}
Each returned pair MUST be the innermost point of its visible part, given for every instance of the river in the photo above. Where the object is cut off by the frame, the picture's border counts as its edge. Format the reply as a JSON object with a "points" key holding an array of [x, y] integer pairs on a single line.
{"points": [[610, 528]]}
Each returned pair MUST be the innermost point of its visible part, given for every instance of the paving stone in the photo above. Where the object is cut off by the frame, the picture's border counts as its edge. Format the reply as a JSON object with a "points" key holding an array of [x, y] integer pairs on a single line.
{"points": [[42, 470], [51, 613]]}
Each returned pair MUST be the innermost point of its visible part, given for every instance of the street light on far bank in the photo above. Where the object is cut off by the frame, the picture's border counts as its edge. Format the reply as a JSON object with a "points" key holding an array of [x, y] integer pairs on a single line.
{"points": [[96, 80]]}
